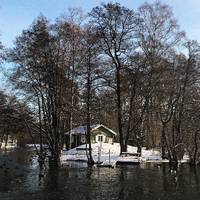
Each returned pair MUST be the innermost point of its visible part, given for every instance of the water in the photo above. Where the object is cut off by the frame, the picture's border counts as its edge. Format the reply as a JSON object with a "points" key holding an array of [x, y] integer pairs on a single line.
{"points": [[20, 179]]}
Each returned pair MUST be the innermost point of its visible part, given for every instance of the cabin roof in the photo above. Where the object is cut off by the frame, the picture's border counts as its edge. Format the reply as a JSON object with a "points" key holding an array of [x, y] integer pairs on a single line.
{"points": [[81, 130]]}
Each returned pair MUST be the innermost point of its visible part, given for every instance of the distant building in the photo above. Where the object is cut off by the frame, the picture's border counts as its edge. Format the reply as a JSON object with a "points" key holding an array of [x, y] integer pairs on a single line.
{"points": [[99, 133], [8, 142]]}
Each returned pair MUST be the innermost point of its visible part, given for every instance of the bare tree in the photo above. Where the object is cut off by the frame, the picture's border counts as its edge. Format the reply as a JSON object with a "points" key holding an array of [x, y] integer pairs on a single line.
{"points": [[69, 29], [157, 35], [116, 25], [39, 74]]}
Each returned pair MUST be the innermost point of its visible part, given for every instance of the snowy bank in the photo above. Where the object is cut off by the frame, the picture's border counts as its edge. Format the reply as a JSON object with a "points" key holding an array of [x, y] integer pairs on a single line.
{"points": [[79, 153]]}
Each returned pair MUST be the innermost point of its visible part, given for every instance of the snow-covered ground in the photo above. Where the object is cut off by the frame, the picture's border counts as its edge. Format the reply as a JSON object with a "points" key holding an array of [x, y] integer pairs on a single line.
{"points": [[8, 146], [79, 154]]}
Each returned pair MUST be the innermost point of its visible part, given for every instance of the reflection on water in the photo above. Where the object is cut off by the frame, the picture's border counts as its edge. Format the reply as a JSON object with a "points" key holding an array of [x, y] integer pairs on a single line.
{"points": [[21, 178]]}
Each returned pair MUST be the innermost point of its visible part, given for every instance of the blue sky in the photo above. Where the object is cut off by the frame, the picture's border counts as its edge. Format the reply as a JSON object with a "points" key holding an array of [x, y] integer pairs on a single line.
{"points": [[16, 15]]}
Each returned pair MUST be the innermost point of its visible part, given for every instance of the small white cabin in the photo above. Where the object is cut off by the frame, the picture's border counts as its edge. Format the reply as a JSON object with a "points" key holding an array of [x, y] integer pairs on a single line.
{"points": [[8, 142], [99, 133]]}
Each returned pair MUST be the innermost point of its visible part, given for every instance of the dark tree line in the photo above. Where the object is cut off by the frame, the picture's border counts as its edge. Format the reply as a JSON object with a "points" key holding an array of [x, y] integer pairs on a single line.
{"points": [[12, 124], [116, 66]]}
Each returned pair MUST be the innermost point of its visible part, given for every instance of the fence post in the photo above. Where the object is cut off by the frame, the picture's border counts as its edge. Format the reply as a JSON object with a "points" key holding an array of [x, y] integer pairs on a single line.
{"points": [[109, 156]]}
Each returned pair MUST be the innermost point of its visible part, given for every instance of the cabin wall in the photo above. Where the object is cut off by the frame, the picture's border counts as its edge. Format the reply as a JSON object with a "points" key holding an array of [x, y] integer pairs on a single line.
{"points": [[101, 136], [9, 142], [96, 136]]}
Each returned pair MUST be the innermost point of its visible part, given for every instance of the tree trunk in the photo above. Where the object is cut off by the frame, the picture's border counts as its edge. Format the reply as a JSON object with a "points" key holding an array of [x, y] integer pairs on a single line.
{"points": [[54, 160], [130, 115], [72, 106], [1, 141], [163, 142], [119, 112], [139, 145], [88, 135], [193, 160]]}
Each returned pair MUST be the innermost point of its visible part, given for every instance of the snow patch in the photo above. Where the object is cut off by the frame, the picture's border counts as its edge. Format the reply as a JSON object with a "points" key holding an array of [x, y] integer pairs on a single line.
{"points": [[79, 153]]}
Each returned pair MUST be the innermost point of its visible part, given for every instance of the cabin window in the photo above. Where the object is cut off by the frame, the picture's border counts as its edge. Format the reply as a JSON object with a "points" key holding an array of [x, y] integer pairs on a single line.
{"points": [[100, 138]]}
